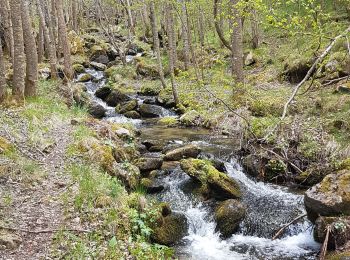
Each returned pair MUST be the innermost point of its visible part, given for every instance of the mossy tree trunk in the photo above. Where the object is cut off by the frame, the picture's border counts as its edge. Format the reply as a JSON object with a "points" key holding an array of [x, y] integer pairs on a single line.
{"points": [[7, 25]]}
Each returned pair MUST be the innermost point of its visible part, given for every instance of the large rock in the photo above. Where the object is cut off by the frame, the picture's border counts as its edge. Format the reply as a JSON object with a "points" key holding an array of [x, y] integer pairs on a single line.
{"points": [[253, 164], [96, 110], [339, 231], [151, 185], [132, 114], [126, 107], [331, 197], [170, 229], [127, 173], [150, 111], [85, 77], [188, 151], [78, 68], [103, 92], [98, 66], [150, 90], [191, 118], [147, 164], [228, 216], [116, 97], [219, 185]]}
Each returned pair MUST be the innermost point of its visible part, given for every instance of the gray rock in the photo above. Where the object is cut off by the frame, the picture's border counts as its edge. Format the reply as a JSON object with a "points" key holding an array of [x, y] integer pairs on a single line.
{"points": [[98, 66], [147, 110], [187, 151]]}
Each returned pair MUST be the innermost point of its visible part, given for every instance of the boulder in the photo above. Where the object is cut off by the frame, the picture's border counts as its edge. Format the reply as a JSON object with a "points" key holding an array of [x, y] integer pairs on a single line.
{"points": [[228, 216], [126, 107], [218, 184], [85, 77], [252, 164], [103, 92], [78, 68], [127, 173], [98, 66], [116, 97], [339, 231], [216, 162], [150, 90], [147, 164], [166, 98], [331, 197], [187, 151], [151, 111], [96, 110], [123, 133], [151, 186], [132, 115], [170, 229], [98, 54], [249, 60], [191, 118]]}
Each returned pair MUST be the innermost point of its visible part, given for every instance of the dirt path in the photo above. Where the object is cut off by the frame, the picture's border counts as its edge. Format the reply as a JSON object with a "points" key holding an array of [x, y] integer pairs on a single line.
{"points": [[39, 206]]}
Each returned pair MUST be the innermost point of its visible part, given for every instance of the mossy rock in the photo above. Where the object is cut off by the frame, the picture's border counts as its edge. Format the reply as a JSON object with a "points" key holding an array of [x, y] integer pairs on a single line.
{"points": [[191, 118], [170, 229], [169, 121], [274, 168], [147, 164], [219, 184], [78, 68], [132, 114], [103, 92], [146, 70], [126, 107], [150, 90], [85, 77], [116, 97], [5, 145], [128, 174], [151, 186], [228, 216], [166, 98], [296, 68], [187, 151]]}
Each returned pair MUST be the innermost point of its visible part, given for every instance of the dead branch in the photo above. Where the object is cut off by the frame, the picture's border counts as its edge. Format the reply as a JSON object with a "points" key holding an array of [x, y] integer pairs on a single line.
{"points": [[330, 82], [280, 231], [312, 70], [325, 244], [218, 28], [44, 230]]}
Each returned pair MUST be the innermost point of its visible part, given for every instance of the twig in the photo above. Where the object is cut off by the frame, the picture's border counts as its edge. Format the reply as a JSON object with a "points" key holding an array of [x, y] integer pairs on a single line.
{"points": [[325, 244], [280, 231], [334, 81], [45, 230]]}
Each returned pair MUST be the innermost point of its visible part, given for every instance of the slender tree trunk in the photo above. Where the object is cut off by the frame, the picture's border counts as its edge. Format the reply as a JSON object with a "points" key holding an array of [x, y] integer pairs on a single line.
{"points": [[7, 24], [62, 29], [255, 29], [171, 47], [237, 44], [156, 47], [130, 17], [75, 15], [2, 76], [201, 26], [50, 45], [30, 51], [19, 56], [41, 49], [185, 32]]}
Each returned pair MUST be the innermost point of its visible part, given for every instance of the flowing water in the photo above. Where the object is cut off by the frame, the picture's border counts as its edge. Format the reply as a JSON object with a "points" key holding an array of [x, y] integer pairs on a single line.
{"points": [[269, 206]]}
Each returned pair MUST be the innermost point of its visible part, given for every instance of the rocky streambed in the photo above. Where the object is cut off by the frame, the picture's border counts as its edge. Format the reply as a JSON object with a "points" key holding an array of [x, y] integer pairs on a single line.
{"points": [[212, 209]]}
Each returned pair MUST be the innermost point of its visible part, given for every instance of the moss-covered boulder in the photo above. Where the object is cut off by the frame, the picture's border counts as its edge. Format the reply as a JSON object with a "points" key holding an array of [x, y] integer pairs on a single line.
{"points": [[191, 118], [169, 121], [78, 68], [228, 216], [85, 77], [132, 114], [331, 197], [147, 70], [126, 107], [170, 229], [98, 66], [147, 164], [296, 68], [116, 97], [151, 111], [151, 185], [150, 90], [103, 92], [187, 151], [96, 110], [166, 98], [127, 173], [218, 184]]}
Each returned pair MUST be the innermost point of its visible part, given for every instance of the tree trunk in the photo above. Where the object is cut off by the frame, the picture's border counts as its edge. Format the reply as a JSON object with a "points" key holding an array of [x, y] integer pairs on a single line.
{"points": [[237, 44], [201, 26], [171, 47], [75, 15], [2, 76], [30, 51], [185, 32], [50, 43], [255, 29], [7, 24], [19, 58], [62, 29], [156, 47], [41, 49]]}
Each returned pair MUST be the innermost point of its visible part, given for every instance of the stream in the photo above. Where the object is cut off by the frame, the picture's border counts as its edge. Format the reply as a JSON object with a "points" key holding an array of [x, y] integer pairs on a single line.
{"points": [[269, 206]]}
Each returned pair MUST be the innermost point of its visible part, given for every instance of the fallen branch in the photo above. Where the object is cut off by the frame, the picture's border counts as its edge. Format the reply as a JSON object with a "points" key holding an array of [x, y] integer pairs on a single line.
{"points": [[280, 231], [325, 244], [330, 82], [44, 230], [311, 71]]}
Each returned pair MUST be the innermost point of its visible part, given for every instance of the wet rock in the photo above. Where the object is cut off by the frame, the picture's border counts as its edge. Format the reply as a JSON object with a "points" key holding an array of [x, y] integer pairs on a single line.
{"points": [[96, 110], [150, 101], [98, 66], [103, 92], [191, 118], [116, 97], [150, 90], [331, 197], [166, 98], [216, 162], [126, 107], [79, 94], [78, 68], [147, 164], [127, 173], [9, 241], [153, 145], [170, 229], [170, 165], [123, 132], [151, 111], [219, 185], [228, 216], [252, 164], [132, 114], [339, 231], [188, 151], [85, 77], [98, 54], [151, 186]]}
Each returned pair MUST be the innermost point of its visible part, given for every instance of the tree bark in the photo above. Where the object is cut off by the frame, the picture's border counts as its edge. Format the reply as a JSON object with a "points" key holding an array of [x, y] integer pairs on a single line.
{"points": [[75, 15], [7, 24], [41, 49], [2, 76], [62, 29], [156, 47], [19, 56], [218, 27], [30, 52], [255, 29], [237, 44], [185, 32]]}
